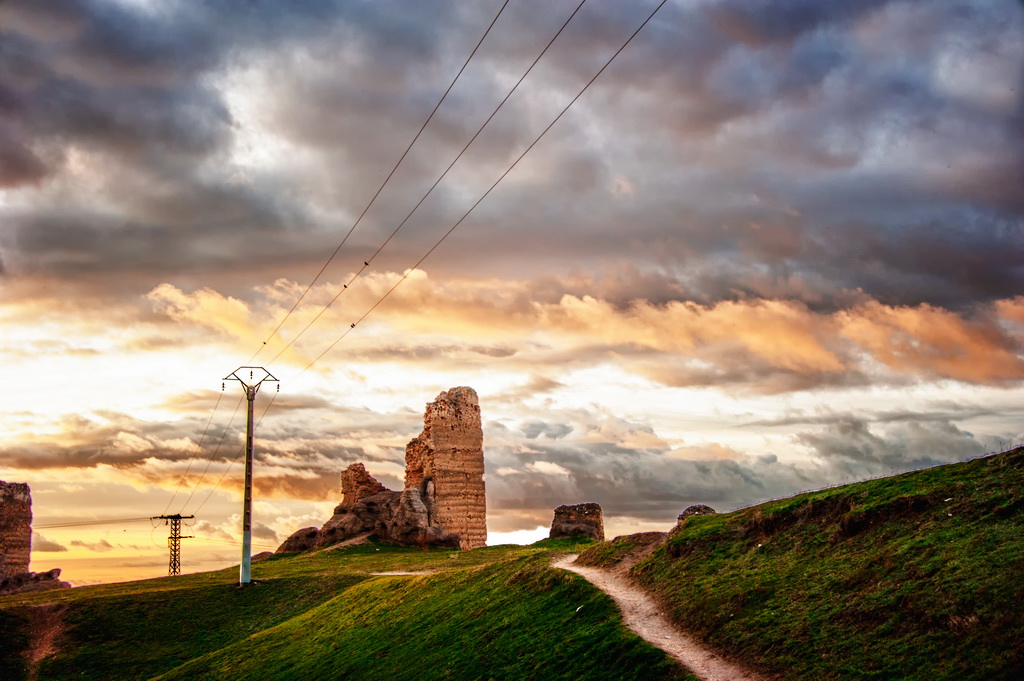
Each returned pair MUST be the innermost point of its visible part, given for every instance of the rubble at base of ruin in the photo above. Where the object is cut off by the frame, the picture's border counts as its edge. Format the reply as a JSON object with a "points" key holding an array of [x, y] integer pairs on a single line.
{"points": [[16, 544], [578, 520], [443, 503]]}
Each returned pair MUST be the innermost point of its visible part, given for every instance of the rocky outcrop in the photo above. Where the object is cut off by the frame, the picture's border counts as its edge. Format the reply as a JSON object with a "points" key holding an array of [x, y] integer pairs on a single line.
{"points": [[443, 501], [16, 544], [698, 509], [300, 540], [15, 529], [578, 520]]}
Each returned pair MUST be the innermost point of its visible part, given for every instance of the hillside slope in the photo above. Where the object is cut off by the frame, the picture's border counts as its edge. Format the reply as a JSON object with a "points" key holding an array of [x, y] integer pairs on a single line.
{"points": [[918, 576], [496, 612]]}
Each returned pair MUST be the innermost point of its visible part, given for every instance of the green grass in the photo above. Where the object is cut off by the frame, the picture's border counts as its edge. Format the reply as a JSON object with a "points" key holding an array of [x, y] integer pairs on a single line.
{"points": [[497, 612], [919, 576], [514, 619]]}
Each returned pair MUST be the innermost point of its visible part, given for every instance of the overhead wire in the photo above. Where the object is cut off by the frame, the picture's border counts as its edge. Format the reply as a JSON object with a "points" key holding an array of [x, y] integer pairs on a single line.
{"points": [[366, 263], [195, 454], [235, 460], [447, 233], [213, 456], [409, 271], [330, 259], [383, 184], [84, 523]]}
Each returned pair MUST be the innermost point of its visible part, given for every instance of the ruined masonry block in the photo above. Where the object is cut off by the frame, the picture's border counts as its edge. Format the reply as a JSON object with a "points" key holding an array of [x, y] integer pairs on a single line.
{"points": [[15, 528], [449, 453], [585, 520], [356, 483]]}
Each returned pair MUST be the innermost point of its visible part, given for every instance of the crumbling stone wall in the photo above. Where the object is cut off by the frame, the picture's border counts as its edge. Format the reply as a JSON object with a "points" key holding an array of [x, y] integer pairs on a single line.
{"points": [[16, 544], [697, 509], [15, 528], [356, 483], [449, 457], [585, 520], [443, 501]]}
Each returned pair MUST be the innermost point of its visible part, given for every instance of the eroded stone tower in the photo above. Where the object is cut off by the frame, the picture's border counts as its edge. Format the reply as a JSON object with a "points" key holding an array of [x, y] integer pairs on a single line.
{"points": [[15, 528], [443, 501], [446, 461]]}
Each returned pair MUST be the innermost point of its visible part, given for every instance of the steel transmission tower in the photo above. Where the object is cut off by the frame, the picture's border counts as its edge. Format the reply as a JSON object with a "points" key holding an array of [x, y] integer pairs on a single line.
{"points": [[174, 540], [251, 385]]}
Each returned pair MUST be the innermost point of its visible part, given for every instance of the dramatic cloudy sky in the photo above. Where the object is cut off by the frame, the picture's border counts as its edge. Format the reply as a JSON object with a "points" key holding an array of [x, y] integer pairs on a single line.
{"points": [[774, 246]]}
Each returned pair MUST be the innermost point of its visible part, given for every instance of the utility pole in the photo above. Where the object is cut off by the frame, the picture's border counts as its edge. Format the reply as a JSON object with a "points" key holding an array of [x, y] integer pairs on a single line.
{"points": [[174, 540], [251, 385]]}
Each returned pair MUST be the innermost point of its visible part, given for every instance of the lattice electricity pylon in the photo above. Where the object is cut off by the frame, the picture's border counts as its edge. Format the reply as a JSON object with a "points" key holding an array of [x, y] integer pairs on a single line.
{"points": [[174, 540]]}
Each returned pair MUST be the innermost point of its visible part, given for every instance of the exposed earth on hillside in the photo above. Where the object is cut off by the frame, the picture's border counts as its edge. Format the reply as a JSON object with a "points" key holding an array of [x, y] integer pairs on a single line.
{"points": [[643, 615]]}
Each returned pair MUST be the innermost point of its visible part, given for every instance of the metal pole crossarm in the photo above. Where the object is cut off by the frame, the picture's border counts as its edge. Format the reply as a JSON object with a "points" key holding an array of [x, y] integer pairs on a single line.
{"points": [[251, 385], [254, 378]]}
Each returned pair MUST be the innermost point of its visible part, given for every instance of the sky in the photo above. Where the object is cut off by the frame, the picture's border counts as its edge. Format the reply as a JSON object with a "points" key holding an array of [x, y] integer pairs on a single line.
{"points": [[772, 247]]}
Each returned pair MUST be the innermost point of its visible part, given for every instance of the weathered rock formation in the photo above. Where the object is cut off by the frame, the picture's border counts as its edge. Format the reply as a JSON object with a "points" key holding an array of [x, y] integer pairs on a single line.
{"points": [[698, 509], [16, 544], [584, 520], [443, 501]]}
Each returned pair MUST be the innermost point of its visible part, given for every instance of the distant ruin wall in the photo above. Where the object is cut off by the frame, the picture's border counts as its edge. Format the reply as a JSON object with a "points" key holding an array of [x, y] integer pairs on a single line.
{"points": [[586, 520], [15, 528], [449, 452]]}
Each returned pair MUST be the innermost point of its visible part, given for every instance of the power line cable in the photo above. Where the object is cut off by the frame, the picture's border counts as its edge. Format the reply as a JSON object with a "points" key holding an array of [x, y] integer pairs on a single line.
{"points": [[216, 450], [366, 263], [195, 454], [485, 194], [84, 523], [419, 203], [235, 460], [381, 188]]}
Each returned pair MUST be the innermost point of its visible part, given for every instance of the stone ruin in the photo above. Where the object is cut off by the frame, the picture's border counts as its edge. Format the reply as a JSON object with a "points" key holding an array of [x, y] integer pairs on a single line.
{"points": [[16, 544], [584, 520], [443, 502], [696, 509]]}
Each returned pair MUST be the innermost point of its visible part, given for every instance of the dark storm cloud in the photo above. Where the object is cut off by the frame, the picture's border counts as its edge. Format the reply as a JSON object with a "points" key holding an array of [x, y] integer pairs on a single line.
{"points": [[643, 484], [943, 413], [139, 91], [553, 431], [839, 163], [827, 152], [852, 447], [527, 477]]}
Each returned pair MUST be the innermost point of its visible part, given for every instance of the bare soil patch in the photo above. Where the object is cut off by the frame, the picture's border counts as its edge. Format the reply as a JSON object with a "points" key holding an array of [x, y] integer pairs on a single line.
{"points": [[644, 616], [46, 624]]}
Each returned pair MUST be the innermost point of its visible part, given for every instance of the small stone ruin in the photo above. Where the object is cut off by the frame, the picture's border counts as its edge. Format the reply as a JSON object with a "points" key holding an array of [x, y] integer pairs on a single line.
{"points": [[697, 509], [16, 544], [585, 520], [443, 502]]}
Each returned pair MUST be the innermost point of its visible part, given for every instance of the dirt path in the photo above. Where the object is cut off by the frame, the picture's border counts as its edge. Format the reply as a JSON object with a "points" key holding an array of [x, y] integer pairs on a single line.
{"points": [[643, 616], [46, 623]]}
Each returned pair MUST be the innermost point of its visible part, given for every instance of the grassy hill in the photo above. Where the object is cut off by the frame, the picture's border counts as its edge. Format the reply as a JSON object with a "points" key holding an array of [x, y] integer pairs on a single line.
{"points": [[492, 613], [918, 576]]}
